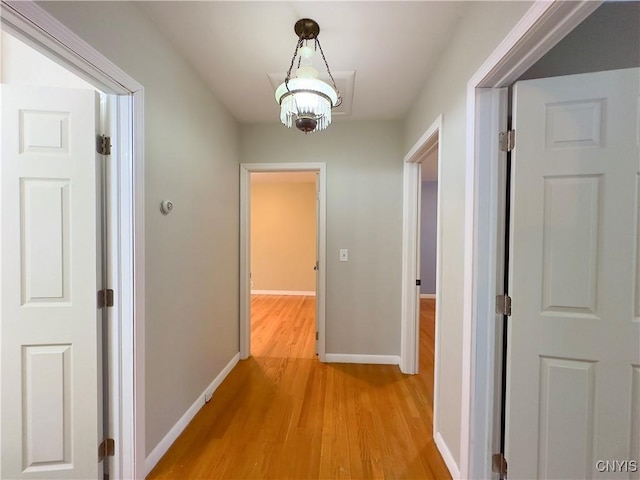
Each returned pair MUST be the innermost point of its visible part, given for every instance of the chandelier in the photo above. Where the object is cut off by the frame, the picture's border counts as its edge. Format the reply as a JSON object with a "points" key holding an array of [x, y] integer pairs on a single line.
{"points": [[304, 99]]}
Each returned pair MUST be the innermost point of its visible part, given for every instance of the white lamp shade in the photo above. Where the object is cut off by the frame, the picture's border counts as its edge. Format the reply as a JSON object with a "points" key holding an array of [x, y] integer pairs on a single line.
{"points": [[306, 97]]}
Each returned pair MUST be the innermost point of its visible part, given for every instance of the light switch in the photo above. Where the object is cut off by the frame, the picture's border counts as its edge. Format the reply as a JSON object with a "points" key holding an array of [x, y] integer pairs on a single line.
{"points": [[344, 255]]}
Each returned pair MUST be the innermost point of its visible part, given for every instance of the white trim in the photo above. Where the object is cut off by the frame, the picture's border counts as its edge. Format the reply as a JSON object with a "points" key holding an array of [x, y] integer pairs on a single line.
{"points": [[542, 26], [427, 295], [363, 359], [138, 268], [425, 144], [46, 34], [301, 293], [409, 311], [245, 263], [410, 314], [245, 254], [489, 252], [444, 450], [175, 431]]}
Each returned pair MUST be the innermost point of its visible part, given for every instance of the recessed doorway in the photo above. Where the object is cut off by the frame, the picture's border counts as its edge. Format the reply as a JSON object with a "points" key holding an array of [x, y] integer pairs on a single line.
{"points": [[266, 280], [283, 264]]}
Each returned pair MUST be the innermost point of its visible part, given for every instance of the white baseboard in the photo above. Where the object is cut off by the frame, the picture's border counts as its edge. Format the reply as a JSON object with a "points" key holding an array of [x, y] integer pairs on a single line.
{"points": [[427, 295], [454, 470], [366, 359], [162, 447], [309, 293]]}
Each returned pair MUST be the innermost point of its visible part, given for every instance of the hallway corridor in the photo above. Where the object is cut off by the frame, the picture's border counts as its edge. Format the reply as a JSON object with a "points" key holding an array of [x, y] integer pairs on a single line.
{"points": [[282, 414]]}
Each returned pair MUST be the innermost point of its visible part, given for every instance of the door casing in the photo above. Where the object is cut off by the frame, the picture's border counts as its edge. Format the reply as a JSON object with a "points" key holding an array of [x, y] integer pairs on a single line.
{"points": [[541, 28], [409, 336], [36, 27], [245, 254]]}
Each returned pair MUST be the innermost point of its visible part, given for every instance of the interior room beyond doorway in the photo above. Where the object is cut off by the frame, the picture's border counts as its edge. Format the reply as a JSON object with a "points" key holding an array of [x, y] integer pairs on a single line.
{"points": [[283, 258]]}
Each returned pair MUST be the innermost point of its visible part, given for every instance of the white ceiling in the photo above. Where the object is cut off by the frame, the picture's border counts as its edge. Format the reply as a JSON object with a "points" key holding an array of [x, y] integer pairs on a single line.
{"points": [[392, 47]]}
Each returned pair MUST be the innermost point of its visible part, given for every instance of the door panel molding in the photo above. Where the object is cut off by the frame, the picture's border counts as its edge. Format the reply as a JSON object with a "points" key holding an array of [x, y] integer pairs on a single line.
{"points": [[49, 321], [46, 379], [571, 279]]}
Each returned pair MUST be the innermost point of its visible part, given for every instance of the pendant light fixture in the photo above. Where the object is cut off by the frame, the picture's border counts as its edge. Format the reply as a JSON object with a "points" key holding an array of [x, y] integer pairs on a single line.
{"points": [[304, 99]]}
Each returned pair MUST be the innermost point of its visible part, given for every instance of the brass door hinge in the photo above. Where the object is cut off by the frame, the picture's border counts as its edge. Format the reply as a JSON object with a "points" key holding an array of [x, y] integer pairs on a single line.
{"points": [[107, 448], [499, 465], [105, 298], [103, 145]]}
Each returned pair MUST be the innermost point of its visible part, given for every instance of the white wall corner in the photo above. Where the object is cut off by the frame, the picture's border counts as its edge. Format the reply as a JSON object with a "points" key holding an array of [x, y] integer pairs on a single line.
{"points": [[164, 445]]}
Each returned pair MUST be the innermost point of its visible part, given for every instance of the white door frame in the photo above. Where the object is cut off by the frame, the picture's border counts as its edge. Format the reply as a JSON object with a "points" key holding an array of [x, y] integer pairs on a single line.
{"points": [[245, 244], [410, 323], [544, 25], [32, 24]]}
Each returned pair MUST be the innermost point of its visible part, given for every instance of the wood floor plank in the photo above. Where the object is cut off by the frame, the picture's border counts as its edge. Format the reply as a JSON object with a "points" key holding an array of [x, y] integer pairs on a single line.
{"points": [[281, 414]]}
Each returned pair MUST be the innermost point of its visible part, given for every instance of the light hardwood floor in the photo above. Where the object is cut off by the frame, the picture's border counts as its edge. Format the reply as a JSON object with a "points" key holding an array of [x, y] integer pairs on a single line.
{"points": [[283, 415]]}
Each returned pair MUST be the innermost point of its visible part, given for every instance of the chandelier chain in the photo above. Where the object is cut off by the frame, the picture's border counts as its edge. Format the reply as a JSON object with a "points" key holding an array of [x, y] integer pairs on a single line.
{"points": [[309, 101], [293, 60], [339, 102]]}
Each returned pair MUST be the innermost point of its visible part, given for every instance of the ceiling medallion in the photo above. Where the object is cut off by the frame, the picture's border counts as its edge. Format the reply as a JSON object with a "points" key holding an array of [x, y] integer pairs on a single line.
{"points": [[304, 99]]}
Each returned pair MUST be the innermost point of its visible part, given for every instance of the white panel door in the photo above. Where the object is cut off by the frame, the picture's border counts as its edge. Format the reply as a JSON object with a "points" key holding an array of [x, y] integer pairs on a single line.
{"points": [[48, 263], [574, 336]]}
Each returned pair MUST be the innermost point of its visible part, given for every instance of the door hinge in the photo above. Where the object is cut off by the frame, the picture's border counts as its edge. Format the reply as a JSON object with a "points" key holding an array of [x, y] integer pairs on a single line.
{"points": [[107, 448], [499, 464], [507, 140], [503, 305], [105, 298], [103, 145], [317, 336], [418, 283]]}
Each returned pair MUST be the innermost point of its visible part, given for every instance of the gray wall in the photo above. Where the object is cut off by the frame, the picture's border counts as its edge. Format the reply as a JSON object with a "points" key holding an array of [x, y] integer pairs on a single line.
{"points": [[191, 150], [479, 32], [609, 39], [428, 237], [364, 215]]}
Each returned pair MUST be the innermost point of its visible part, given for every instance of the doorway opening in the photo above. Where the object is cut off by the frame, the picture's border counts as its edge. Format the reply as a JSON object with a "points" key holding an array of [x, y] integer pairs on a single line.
{"points": [[58, 47], [421, 312], [554, 295], [283, 264], [45, 104], [268, 273], [428, 261], [540, 29]]}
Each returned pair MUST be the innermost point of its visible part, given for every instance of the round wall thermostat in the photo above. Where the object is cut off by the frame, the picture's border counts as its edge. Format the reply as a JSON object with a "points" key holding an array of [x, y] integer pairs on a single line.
{"points": [[166, 206]]}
